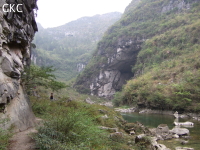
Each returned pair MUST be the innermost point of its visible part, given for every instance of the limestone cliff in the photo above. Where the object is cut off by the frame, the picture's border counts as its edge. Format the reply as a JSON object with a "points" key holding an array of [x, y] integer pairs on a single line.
{"points": [[116, 54], [17, 29]]}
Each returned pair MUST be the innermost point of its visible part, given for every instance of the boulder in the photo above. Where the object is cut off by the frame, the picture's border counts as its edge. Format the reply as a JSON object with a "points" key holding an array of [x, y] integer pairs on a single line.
{"points": [[162, 129], [176, 115], [137, 128], [107, 104], [132, 132], [109, 129], [89, 101], [140, 138], [160, 147], [185, 124], [180, 131], [105, 116], [150, 142], [127, 110], [184, 148], [175, 136], [116, 136], [162, 132]]}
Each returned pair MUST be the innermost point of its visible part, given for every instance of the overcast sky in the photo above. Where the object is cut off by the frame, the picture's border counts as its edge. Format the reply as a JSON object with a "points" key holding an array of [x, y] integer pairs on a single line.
{"points": [[54, 13]]}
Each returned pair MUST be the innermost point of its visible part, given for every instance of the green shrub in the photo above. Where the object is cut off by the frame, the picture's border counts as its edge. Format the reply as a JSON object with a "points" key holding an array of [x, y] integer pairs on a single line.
{"points": [[71, 128], [4, 138], [5, 135], [117, 101], [74, 125]]}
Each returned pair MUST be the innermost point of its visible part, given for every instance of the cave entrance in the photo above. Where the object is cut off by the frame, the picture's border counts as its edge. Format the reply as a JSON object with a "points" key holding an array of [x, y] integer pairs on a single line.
{"points": [[125, 67], [126, 74]]}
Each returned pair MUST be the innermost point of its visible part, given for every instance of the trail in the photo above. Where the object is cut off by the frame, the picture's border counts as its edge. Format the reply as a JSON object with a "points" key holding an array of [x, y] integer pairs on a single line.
{"points": [[22, 140]]}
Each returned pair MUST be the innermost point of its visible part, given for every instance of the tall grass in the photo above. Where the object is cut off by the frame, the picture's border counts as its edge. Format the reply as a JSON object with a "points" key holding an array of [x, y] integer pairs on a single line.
{"points": [[74, 125], [5, 135]]}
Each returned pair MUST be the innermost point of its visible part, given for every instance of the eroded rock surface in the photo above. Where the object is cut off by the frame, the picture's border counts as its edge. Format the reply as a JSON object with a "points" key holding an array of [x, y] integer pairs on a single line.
{"points": [[17, 30]]}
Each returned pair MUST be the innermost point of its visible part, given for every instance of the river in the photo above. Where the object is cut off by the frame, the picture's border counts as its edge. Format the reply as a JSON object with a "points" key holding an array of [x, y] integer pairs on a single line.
{"points": [[153, 120]]}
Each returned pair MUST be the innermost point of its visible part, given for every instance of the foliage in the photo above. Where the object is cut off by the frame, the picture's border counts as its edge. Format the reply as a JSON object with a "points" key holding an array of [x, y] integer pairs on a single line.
{"points": [[74, 125], [167, 86], [4, 138], [144, 143], [56, 86], [69, 128], [5, 135], [40, 76]]}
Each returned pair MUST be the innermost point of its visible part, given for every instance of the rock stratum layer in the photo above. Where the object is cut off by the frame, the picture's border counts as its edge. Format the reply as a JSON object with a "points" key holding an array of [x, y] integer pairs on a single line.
{"points": [[17, 29]]}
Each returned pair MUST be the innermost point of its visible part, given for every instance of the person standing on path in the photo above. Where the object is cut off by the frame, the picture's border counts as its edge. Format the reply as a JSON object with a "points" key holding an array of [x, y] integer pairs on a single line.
{"points": [[51, 97]]}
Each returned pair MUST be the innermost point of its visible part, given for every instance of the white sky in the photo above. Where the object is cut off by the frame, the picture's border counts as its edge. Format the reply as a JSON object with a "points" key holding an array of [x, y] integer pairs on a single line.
{"points": [[54, 13]]}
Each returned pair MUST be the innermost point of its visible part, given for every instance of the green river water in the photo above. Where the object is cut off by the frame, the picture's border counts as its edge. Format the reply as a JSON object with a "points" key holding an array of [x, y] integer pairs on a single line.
{"points": [[153, 120]]}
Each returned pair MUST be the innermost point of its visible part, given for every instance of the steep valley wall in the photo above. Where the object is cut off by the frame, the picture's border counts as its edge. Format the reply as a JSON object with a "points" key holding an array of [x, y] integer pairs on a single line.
{"points": [[17, 29]]}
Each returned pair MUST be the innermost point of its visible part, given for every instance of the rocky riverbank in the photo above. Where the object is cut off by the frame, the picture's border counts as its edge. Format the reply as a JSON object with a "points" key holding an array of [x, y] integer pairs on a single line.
{"points": [[165, 133], [195, 116]]}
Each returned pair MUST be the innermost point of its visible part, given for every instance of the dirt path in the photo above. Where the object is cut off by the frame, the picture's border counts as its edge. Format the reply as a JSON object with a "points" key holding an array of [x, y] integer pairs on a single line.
{"points": [[22, 140]]}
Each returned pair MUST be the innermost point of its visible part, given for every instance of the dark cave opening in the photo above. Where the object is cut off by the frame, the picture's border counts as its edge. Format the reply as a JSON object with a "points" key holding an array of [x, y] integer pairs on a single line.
{"points": [[126, 74], [124, 66]]}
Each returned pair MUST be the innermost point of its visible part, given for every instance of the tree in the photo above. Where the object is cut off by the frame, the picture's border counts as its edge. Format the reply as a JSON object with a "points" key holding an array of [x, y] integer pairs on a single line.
{"points": [[56, 86], [40, 76]]}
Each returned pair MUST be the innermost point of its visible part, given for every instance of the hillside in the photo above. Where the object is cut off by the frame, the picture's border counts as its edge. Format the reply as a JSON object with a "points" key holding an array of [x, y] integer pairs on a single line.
{"points": [[69, 47], [155, 45]]}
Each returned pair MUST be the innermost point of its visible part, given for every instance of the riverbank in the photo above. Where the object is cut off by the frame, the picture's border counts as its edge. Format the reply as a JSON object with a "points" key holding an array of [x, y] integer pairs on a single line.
{"points": [[156, 122], [194, 116]]}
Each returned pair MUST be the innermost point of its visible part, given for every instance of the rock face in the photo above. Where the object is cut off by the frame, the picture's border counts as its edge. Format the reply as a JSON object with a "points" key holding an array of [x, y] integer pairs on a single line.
{"points": [[117, 70], [80, 67], [17, 29]]}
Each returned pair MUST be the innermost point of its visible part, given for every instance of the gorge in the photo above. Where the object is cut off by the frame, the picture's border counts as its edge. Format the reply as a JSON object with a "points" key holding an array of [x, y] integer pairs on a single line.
{"points": [[147, 60]]}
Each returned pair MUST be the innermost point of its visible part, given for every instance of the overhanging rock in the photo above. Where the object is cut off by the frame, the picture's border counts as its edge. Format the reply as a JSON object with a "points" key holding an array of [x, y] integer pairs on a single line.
{"points": [[17, 30]]}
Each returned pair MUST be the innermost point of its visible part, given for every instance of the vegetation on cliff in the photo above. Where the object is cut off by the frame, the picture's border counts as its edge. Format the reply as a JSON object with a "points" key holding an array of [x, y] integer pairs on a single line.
{"points": [[166, 72]]}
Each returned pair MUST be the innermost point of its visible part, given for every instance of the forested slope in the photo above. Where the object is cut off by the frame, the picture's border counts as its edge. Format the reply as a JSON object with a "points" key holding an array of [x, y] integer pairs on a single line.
{"points": [[69, 47]]}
